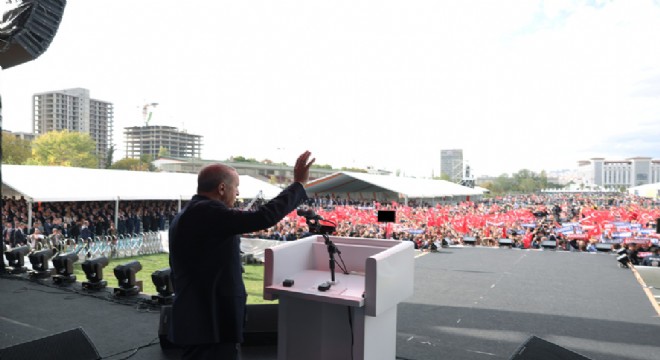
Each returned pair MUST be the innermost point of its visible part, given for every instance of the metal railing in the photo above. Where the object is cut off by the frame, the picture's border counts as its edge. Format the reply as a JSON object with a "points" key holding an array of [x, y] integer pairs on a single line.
{"points": [[115, 246]]}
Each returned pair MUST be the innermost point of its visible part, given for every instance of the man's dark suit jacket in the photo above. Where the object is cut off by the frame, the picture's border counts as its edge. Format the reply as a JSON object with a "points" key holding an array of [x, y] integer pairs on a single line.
{"points": [[210, 297]]}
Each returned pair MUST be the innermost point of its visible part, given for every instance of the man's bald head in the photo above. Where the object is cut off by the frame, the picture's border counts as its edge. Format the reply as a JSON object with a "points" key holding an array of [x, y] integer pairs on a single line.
{"points": [[213, 175]]}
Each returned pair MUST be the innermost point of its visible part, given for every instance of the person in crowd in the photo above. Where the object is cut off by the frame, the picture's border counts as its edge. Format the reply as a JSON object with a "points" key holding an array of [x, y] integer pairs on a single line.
{"points": [[209, 307], [653, 259]]}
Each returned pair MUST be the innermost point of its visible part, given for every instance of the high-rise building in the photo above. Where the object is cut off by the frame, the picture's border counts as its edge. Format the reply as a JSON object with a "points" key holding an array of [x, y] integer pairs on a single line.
{"points": [[150, 139], [620, 173], [74, 110], [451, 164]]}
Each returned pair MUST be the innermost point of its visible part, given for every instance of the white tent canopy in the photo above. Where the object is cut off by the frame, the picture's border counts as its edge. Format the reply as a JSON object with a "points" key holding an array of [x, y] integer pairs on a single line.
{"points": [[647, 190], [402, 187], [57, 183]]}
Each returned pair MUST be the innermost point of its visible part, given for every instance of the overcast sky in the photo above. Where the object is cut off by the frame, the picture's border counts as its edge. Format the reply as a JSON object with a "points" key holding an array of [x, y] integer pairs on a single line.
{"points": [[515, 84]]}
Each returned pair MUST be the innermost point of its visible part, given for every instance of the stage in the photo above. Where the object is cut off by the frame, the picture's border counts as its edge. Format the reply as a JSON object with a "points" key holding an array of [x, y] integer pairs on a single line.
{"points": [[469, 303]]}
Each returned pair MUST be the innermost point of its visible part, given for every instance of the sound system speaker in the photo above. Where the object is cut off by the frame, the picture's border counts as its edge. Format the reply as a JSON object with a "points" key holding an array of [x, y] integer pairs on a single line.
{"points": [[538, 349], [69, 345], [549, 244], [506, 242], [603, 247], [27, 29], [260, 325], [386, 216]]}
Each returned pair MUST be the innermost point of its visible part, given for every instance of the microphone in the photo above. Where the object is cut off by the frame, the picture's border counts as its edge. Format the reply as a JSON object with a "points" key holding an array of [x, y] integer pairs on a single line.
{"points": [[308, 214]]}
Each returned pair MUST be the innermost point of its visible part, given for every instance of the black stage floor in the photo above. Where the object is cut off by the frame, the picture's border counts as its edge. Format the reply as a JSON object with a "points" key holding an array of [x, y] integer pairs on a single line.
{"points": [[469, 303]]}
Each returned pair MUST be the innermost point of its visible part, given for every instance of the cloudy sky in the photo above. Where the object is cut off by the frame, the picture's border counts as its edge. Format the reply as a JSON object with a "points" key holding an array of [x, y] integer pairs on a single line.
{"points": [[515, 84]]}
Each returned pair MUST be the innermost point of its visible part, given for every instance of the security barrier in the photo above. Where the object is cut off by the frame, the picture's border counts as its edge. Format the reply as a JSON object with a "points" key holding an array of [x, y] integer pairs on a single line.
{"points": [[114, 246]]}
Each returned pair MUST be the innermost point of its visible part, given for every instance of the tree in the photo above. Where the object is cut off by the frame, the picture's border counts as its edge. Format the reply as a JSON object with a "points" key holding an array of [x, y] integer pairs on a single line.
{"points": [[15, 151], [130, 164], [64, 148], [108, 159], [163, 152]]}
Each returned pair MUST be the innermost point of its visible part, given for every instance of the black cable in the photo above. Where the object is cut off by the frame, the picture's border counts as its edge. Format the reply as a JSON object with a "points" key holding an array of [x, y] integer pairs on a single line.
{"points": [[134, 350], [350, 323]]}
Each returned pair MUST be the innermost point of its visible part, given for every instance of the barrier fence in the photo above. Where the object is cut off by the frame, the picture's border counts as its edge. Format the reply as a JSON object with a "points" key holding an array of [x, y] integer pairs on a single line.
{"points": [[114, 246]]}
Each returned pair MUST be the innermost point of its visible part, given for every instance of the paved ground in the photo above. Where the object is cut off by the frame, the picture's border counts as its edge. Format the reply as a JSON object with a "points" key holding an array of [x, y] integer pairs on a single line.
{"points": [[469, 303]]}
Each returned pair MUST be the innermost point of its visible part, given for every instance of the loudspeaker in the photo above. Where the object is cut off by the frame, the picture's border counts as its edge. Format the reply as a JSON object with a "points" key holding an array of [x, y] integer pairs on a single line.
{"points": [[549, 244], [69, 345], [603, 247], [506, 242], [27, 29], [538, 349]]}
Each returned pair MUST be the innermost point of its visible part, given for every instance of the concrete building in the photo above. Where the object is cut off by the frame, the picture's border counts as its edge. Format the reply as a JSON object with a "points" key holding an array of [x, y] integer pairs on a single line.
{"points": [[149, 139], [74, 110], [451, 164], [620, 173]]}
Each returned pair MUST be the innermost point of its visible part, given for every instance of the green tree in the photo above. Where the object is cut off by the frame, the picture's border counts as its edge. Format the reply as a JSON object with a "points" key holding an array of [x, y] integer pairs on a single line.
{"points": [[108, 159], [64, 148], [163, 152], [15, 151], [130, 164]]}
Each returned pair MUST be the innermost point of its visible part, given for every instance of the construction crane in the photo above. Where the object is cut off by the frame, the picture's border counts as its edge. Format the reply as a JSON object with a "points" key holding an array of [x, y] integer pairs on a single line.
{"points": [[146, 114]]}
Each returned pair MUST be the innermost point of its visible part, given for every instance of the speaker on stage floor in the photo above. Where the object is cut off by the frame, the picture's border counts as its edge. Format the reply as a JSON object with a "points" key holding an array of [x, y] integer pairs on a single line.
{"points": [[600, 247], [27, 29], [538, 349], [69, 345]]}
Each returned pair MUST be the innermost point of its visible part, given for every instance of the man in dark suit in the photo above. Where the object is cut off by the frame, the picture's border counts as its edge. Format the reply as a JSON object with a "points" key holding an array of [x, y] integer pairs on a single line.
{"points": [[209, 306]]}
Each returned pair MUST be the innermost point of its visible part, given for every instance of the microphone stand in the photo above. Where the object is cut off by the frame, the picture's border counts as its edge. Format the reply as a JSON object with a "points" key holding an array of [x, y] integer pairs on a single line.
{"points": [[316, 227], [332, 250]]}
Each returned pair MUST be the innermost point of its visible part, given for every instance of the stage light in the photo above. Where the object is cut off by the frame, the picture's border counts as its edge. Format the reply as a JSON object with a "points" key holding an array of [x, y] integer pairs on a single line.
{"points": [[163, 282], [93, 269], [63, 264], [39, 260], [125, 275], [16, 259], [469, 240]]}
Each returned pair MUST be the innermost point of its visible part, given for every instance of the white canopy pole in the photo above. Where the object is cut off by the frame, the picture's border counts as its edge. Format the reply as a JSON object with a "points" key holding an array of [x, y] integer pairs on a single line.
{"points": [[29, 206], [117, 213]]}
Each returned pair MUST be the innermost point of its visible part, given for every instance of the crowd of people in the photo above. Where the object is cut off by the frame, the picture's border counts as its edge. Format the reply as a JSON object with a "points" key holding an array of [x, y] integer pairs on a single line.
{"points": [[526, 220]]}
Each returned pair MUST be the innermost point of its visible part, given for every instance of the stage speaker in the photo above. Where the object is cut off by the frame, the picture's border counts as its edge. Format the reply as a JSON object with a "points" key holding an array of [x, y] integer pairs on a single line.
{"points": [[27, 29], [538, 349], [506, 242], [549, 244], [600, 247], [69, 345]]}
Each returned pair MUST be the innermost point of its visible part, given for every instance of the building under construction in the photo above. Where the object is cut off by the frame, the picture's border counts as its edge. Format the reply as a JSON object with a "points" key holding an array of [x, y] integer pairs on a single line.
{"points": [[150, 139]]}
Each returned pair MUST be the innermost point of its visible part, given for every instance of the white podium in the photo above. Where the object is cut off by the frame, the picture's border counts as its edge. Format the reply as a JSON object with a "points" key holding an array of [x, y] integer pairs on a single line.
{"points": [[356, 315]]}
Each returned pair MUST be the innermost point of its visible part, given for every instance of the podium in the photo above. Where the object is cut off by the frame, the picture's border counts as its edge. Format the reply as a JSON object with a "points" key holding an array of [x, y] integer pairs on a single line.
{"points": [[356, 317]]}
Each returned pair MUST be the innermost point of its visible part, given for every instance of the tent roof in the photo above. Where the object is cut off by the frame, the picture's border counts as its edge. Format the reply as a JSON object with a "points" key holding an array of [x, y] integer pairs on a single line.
{"points": [[58, 183], [646, 190], [350, 182]]}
